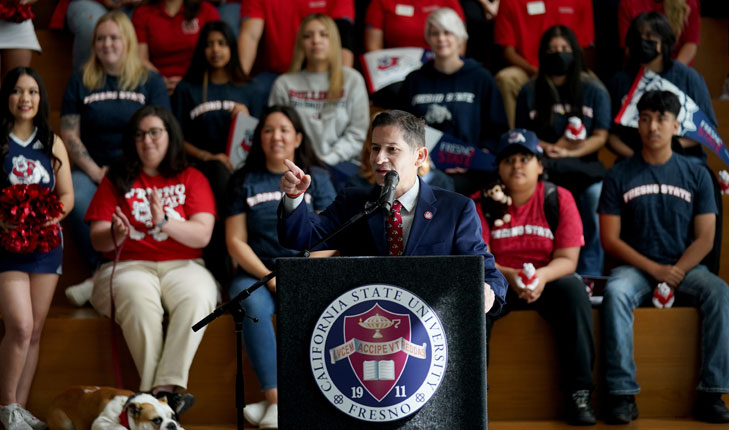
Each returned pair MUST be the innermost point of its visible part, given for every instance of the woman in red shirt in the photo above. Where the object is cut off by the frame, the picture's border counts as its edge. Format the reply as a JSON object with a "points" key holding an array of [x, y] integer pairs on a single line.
{"points": [[159, 214], [167, 31]]}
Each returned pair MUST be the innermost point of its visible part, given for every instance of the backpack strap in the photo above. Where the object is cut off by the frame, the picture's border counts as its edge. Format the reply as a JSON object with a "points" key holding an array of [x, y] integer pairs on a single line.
{"points": [[551, 205]]}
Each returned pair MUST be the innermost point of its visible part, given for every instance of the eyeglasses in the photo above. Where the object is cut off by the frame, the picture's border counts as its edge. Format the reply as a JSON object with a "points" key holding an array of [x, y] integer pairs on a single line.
{"points": [[154, 134]]}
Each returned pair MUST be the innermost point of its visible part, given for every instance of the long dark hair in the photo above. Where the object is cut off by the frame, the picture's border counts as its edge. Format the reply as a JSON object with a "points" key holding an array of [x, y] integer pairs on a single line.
{"points": [[7, 120], [659, 26], [127, 169], [304, 155], [199, 66], [191, 8], [545, 93]]}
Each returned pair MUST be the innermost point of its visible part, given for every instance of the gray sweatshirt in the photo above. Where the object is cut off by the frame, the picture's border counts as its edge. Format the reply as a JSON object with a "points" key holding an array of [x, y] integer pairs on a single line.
{"points": [[336, 130]]}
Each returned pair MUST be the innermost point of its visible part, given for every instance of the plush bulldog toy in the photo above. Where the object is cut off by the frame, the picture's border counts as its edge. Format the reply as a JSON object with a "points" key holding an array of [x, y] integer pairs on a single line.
{"points": [[495, 204], [724, 181], [663, 296], [527, 278], [575, 129], [107, 408]]}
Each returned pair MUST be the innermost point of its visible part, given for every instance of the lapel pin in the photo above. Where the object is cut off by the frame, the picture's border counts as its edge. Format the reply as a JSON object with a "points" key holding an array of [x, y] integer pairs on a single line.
{"points": [[428, 215]]}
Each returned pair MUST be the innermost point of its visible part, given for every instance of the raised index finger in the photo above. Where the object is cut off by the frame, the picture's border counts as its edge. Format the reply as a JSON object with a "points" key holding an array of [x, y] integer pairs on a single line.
{"points": [[293, 168]]}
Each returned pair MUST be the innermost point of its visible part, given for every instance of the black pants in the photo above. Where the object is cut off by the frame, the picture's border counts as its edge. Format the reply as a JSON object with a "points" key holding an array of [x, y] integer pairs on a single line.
{"points": [[566, 305]]}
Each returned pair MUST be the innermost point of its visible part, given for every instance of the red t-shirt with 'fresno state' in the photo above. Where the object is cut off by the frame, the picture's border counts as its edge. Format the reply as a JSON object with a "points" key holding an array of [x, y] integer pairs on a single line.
{"points": [[182, 196], [527, 237]]}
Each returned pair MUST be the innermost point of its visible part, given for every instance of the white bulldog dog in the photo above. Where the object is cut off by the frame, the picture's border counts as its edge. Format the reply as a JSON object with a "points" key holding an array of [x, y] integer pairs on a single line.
{"points": [[107, 408]]}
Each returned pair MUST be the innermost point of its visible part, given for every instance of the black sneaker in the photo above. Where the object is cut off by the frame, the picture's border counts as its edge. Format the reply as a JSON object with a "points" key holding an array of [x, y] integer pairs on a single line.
{"points": [[179, 402], [710, 408], [579, 410], [621, 410]]}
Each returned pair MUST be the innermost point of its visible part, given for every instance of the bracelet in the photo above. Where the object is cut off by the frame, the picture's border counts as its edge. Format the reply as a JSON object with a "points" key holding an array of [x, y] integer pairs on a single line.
{"points": [[293, 196], [163, 222]]}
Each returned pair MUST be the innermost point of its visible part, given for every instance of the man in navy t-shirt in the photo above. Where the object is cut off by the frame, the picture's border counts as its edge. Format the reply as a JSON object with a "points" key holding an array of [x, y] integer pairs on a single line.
{"points": [[657, 212]]}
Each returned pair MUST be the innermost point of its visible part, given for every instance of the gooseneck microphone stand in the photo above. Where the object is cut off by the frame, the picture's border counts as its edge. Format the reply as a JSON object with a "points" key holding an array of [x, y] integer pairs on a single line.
{"points": [[233, 306]]}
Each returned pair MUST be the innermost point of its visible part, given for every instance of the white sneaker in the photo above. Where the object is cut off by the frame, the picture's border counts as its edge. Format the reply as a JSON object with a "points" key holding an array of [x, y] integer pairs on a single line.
{"points": [[79, 294], [32, 421], [12, 419], [254, 412], [270, 420]]}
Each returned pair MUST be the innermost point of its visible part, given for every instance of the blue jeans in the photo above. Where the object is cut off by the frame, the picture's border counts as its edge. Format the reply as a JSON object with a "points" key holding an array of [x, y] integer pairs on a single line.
{"points": [[628, 288], [258, 338], [81, 18], [592, 255], [84, 189], [230, 14]]}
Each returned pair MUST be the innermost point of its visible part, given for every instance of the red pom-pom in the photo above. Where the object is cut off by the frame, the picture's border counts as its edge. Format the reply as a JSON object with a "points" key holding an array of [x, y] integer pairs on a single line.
{"points": [[29, 208], [13, 11]]}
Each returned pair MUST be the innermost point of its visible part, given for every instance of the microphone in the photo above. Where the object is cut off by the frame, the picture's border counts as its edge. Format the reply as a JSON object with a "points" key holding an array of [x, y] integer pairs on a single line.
{"points": [[387, 195]]}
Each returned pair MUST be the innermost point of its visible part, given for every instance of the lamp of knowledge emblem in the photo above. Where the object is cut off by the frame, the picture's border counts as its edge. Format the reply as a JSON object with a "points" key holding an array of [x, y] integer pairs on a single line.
{"points": [[378, 353]]}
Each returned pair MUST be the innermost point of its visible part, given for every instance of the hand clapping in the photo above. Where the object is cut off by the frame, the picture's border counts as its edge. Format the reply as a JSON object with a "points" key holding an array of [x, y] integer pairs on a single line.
{"points": [[120, 226]]}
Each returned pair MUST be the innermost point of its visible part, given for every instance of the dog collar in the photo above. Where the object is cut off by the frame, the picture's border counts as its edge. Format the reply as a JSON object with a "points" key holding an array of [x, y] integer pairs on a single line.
{"points": [[124, 419]]}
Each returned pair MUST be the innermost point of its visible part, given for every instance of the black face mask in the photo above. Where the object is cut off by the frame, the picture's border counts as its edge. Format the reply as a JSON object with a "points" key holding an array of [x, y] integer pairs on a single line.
{"points": [[644, 51], [557, 63]]}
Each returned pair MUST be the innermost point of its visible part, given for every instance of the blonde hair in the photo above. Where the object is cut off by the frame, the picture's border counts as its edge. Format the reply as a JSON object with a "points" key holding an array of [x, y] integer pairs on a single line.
{"points": [[677, 12], [133, 72], [446, 19], [336, 77]]}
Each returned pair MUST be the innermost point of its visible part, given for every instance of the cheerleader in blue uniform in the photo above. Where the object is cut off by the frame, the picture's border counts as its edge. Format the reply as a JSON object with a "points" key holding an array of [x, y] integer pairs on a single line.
{"points": [[30, 154]]}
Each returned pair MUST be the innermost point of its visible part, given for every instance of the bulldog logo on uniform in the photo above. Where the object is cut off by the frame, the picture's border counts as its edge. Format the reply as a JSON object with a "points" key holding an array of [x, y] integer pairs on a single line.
{"points": [[26, 171], [378, 353]]}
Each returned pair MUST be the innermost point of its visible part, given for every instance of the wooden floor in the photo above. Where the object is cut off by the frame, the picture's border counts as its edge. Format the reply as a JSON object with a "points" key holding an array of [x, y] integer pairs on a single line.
{"points": [[641, 424]]}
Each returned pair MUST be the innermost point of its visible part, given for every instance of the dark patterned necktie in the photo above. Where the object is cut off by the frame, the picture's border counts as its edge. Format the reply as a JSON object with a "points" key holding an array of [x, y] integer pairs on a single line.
{"points": [[395, 240]]}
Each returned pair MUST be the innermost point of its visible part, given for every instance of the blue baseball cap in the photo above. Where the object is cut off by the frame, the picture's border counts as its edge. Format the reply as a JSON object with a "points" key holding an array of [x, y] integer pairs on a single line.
{"points": [[518, 140]]}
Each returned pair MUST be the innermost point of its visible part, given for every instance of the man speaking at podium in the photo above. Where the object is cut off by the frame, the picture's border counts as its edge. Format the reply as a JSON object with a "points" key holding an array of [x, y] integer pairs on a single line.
{"points": [[422, 221]]}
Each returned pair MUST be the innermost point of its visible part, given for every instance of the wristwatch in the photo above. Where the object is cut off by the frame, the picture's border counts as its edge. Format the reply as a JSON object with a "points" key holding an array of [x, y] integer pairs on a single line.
{"points": [[163, 222]]}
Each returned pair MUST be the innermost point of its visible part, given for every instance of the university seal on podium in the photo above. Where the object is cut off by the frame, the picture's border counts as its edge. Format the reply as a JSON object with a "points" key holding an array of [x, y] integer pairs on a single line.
{"points": [[378, 353]]}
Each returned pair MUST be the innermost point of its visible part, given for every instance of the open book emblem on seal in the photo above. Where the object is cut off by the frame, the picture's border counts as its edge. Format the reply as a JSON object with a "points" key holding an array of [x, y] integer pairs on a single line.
{"points": [[378, 364]]}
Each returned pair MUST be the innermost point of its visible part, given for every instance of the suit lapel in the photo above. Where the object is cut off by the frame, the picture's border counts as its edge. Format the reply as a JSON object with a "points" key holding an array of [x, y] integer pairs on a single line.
{"points": [[421, 223], [377, 228]]}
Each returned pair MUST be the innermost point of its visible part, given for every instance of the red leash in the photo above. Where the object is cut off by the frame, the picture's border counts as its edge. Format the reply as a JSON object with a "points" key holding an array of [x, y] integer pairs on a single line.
{"points": [[114, 327]]}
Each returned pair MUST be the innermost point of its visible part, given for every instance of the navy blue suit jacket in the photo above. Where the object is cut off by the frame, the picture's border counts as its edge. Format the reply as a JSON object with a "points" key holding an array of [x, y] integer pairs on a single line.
{"points": [[453, 229]]}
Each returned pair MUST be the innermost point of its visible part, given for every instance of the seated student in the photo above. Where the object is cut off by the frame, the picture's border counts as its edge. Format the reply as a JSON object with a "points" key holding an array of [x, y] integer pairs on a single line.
{"points": [[250, 230], [276, 22], [398, 144], [161, 213], [650, 41], [657, 215], [206, 100], [557, 293], [454, 95], [330, 98], [167, 31], [80, 17], [560, 92], [683, 15], [214, 75], [518, 28], [393, 24]]}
